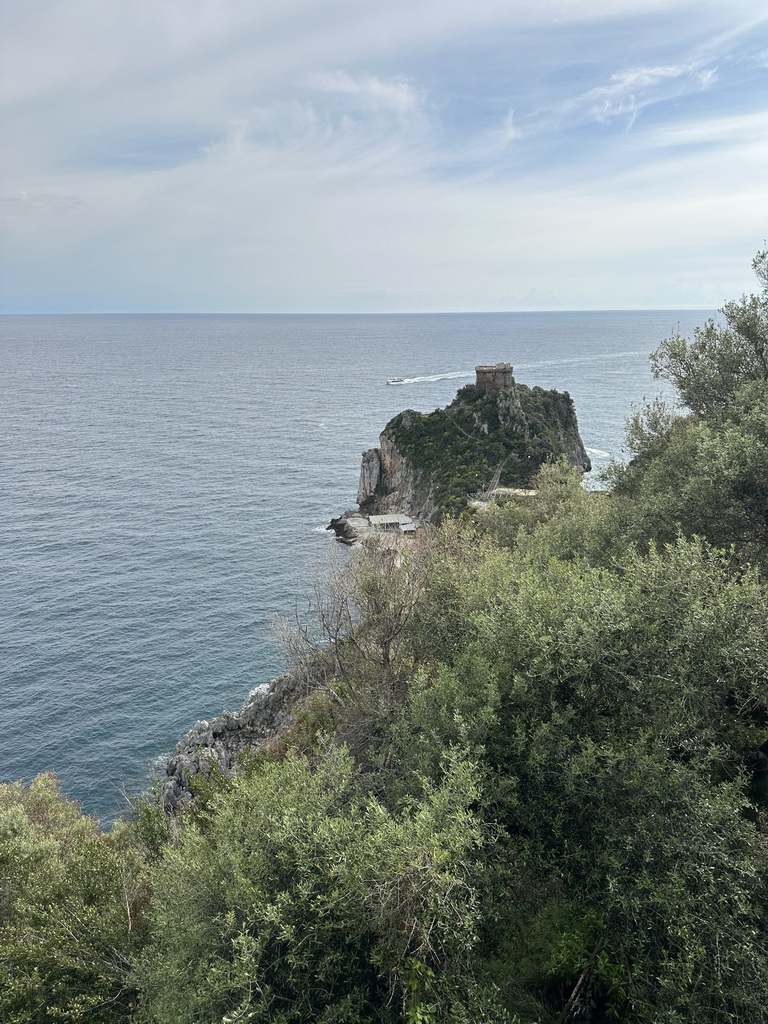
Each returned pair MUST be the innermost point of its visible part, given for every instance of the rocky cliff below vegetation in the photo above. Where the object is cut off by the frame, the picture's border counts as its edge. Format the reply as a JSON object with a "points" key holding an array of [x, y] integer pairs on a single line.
{"points": [[496, 432], [214, 746], [390, 482]]}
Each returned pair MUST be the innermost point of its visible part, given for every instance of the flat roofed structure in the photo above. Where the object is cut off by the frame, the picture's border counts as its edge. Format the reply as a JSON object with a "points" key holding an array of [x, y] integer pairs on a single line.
{"points": [[395, 521]]}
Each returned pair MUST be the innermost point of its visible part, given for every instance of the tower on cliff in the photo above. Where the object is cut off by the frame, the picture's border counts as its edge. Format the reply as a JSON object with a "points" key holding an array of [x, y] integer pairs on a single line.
{"points": [[493, 379]]}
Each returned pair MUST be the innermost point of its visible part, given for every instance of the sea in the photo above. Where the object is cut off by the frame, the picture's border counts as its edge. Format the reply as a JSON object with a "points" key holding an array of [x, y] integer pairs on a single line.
{"points": [[165, 486]]}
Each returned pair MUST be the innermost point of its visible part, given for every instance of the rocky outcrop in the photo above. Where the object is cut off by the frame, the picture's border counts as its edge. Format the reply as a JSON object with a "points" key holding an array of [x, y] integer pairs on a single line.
{"points": [[217, 744], [569, 440], [389, 482], [495, 431], [370, 475], [344, 527], [510, 411]]}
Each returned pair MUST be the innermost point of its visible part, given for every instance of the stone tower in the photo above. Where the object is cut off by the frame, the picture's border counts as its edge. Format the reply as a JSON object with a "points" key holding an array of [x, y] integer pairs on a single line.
{"points": [[493, 379]]}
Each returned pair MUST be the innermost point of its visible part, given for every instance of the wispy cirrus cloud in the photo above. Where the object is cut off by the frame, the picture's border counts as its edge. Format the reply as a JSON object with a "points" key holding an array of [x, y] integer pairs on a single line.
{"points": [[397, 94], [632, 89], [737, 129], [340, 122]]}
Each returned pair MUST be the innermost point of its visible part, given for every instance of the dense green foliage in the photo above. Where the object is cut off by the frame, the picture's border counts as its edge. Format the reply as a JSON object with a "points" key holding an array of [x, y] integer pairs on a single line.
{"points": [[72, 904], [709, 371], [529, 786], [479, 437], [705, 472], [297, 899]]}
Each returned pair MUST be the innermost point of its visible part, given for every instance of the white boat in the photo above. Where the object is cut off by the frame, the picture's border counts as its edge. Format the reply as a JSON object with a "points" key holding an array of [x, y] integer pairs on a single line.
{"points": [[396, 380]]}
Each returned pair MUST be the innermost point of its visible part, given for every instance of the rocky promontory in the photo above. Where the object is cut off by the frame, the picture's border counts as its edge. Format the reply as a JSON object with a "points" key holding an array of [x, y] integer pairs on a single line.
{"points": [[496, 432]]}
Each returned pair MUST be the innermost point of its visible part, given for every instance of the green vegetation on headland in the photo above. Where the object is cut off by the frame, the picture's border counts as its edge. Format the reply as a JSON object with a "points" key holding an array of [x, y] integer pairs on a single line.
{"points": [[478, 439], [528, 786]]}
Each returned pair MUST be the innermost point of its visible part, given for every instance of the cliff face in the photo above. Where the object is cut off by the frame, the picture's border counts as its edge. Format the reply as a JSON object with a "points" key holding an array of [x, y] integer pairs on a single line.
{"points": [[566, 431], [389, 482], [494, 433]]}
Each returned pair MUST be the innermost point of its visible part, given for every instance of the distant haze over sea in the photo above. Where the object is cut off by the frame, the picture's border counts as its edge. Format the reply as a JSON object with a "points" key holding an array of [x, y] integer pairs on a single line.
{"points": [[165, 481]]}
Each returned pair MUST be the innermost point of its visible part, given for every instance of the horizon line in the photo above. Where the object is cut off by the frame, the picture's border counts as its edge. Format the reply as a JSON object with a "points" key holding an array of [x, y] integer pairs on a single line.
{"points": [[438, 312]]}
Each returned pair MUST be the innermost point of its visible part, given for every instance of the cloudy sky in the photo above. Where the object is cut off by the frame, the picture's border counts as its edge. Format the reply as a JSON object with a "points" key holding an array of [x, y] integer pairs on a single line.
{"points": [[381, 155]]}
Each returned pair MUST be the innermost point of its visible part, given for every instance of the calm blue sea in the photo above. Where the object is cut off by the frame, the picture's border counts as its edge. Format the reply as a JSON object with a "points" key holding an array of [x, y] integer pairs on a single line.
{"points": [[165, 482]]}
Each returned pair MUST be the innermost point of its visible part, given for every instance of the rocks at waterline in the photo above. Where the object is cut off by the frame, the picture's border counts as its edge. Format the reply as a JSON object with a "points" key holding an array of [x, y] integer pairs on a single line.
{"points": [[216, 745]]}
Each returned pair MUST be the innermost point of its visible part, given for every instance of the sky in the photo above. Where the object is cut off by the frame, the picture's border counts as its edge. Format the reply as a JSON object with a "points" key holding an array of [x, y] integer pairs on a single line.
{"points": [[381, 155]]}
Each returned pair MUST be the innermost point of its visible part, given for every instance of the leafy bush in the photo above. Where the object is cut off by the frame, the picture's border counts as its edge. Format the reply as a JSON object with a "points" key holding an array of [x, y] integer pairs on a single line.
{"points": [[292, 902], [72, 911]]}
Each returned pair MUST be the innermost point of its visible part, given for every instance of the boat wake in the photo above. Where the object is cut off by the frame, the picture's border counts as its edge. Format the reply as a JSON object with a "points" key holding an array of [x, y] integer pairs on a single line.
{"points": [[598, 358], [429, 378], [458, 374]]}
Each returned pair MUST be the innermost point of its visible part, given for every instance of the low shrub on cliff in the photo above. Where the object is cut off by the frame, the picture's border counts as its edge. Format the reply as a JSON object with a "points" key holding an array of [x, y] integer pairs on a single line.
{"points": [[295, 901], [73, 907]]}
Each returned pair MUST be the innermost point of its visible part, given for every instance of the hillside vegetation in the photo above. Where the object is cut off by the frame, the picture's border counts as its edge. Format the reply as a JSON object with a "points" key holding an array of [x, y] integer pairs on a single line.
{"points": [[532, 787]]}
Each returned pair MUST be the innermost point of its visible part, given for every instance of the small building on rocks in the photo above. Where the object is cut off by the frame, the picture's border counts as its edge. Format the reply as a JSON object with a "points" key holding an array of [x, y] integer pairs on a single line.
{"points": [[395, 521]]}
